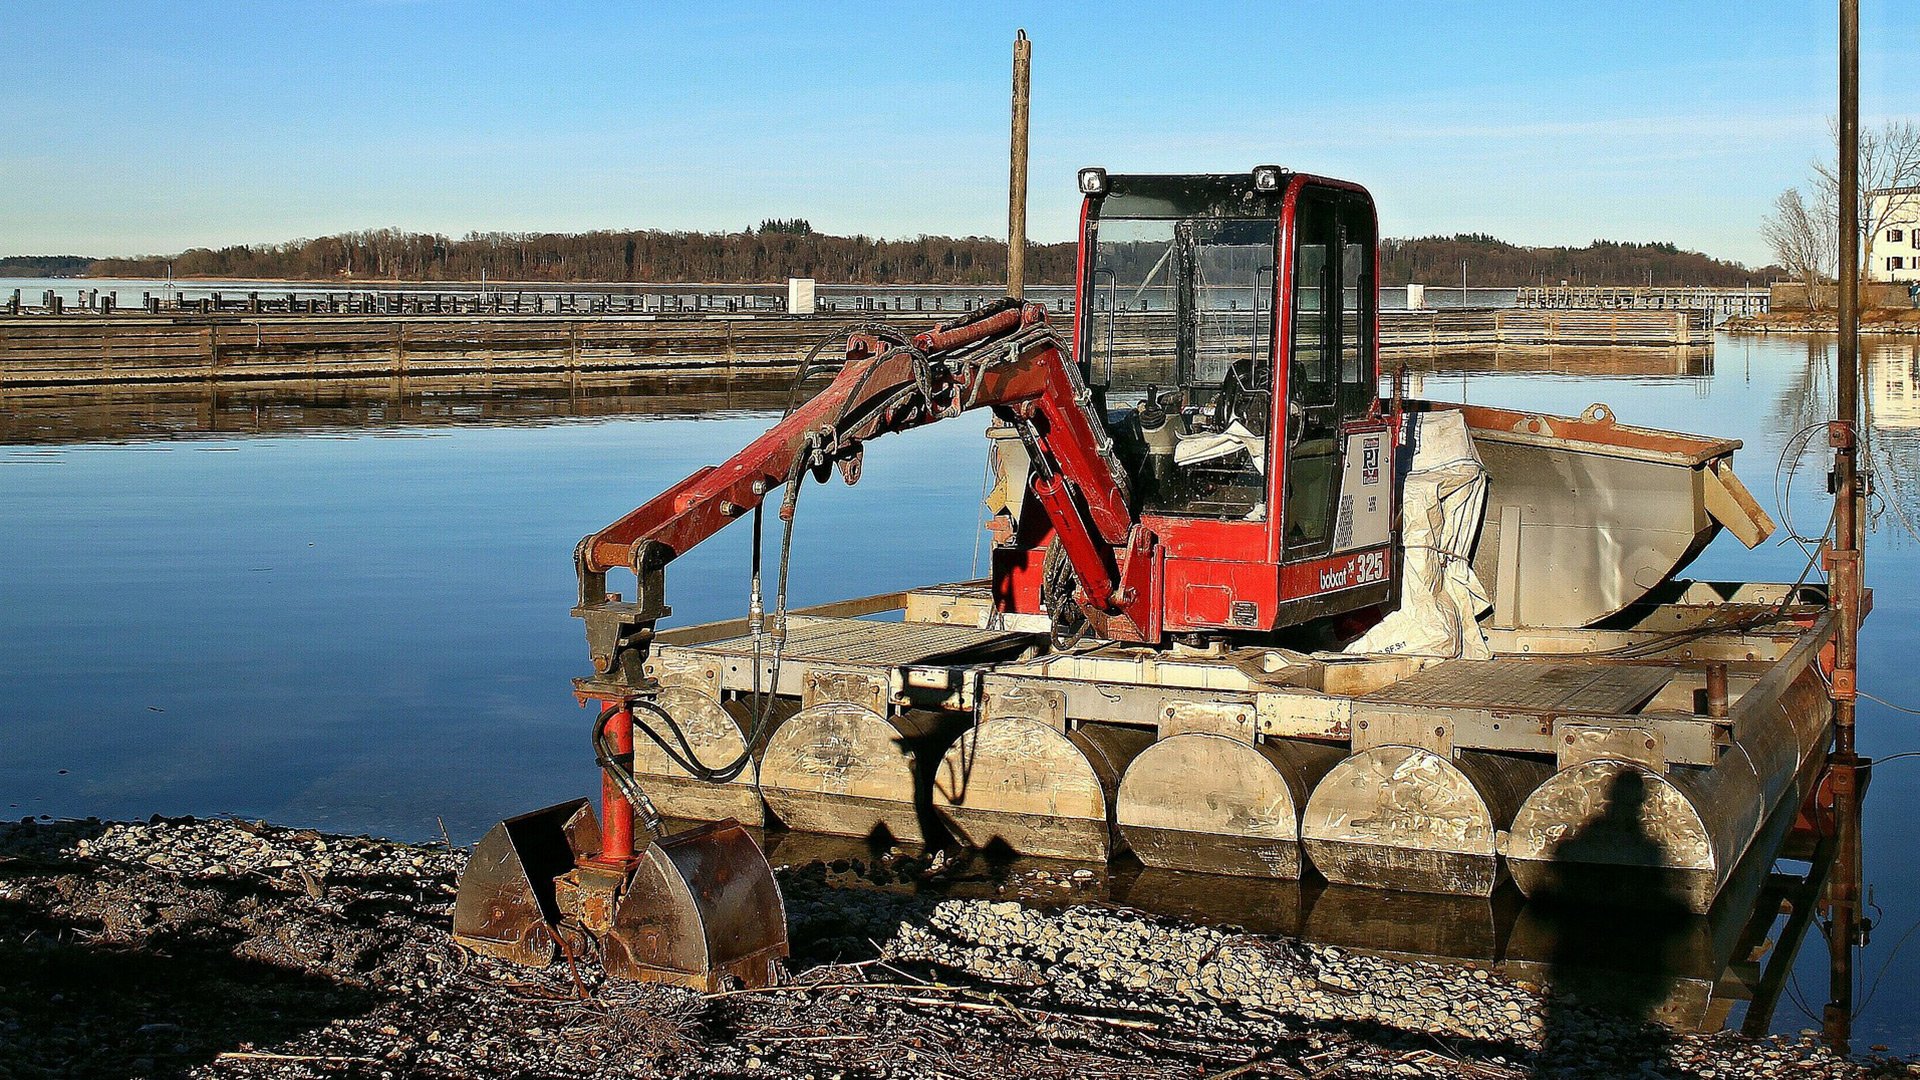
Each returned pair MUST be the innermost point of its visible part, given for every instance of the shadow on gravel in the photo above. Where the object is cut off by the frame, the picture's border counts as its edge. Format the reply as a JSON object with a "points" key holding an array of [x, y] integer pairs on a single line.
{"points": [[96, 1010], [100, 976], [1604, 962], [843, 903]]}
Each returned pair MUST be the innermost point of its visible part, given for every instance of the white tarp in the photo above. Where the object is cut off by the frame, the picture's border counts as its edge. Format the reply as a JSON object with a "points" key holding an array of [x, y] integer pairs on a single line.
{"points": [[1441, 599], [1207, 446]]}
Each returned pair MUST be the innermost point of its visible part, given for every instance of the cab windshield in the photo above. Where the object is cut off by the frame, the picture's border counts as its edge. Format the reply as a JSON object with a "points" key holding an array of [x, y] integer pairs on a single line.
{"points": [[1179, 303], [1177, 333]]}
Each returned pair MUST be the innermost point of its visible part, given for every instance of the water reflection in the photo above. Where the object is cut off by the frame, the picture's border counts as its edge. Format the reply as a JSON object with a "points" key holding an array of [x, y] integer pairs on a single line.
{"points": [[1629, 974], [1679, 363], [135, 415]]}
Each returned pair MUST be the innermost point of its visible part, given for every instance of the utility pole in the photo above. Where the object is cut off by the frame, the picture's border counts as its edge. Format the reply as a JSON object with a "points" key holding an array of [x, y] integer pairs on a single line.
{"points": [[1017, 168], [1463, 283], [1844, 561]]}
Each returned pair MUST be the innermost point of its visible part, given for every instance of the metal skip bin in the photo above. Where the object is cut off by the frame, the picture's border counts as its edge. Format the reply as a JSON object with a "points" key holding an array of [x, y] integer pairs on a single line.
{"points": [[700, 907], [506, 907], [696, 908], [1585, 516]]}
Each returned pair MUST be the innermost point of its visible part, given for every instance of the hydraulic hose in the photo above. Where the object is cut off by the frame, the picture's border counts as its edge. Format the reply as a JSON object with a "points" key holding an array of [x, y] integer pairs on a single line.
{"points": [[622, 771]]}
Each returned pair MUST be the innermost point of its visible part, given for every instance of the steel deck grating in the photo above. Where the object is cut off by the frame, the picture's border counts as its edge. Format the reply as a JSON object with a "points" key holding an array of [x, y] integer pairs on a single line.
{"points": [[1545, 685], [859, 641]]}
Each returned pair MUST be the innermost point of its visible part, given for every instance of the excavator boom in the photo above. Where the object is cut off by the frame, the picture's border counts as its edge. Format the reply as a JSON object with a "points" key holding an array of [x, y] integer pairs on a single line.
{"points": [[1006, 358], [702, 907]]}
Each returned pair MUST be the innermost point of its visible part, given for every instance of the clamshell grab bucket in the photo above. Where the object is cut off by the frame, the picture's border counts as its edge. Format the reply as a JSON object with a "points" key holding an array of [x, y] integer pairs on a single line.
{"points": [[695, 909], [505, 906]]}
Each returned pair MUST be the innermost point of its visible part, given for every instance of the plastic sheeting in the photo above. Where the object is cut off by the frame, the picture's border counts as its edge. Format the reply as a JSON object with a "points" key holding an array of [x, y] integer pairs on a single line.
{"points": [[1441, 599], [1207, 446]]}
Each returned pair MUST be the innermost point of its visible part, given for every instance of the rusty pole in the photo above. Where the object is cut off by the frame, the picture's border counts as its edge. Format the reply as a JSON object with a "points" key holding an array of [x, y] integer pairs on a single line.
{"points": [[1017, 169], [1844, 557]]}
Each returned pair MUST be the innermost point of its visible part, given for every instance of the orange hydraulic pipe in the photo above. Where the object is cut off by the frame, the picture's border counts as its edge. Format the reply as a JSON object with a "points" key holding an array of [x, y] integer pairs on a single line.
{"points": [[616, 811]]}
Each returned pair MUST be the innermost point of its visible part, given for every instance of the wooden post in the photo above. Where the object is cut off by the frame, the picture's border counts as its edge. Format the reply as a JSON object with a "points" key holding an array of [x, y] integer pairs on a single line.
{"points": [[1017, 168]]}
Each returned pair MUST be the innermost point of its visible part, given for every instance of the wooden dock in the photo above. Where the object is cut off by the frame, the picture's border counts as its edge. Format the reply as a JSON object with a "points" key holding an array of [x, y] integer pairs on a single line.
{"points": [[43, 353], [1469, 328], [1720, 303]]}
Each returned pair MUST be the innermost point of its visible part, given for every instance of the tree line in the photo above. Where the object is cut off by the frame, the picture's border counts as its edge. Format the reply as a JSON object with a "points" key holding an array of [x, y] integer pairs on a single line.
{"points": [[44, 265], [782, 248], [774, 252], [1438, 261]]}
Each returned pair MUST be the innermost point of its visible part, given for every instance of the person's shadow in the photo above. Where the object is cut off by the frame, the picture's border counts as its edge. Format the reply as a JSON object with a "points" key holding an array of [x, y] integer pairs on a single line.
{"points": [[1609, 973]]}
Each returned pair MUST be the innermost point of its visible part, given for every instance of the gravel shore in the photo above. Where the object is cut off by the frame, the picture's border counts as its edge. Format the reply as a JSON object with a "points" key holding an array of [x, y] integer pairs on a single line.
{"points": [[1872, 321], [237, 949]]}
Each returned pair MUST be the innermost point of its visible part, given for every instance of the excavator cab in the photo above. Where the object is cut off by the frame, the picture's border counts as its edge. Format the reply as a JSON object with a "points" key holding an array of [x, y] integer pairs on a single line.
{"points": [[1226, 329]]}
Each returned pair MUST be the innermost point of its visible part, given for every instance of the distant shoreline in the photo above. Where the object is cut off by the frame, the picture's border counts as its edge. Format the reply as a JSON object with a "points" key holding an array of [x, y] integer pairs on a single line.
{"points": [[1872, 321]]}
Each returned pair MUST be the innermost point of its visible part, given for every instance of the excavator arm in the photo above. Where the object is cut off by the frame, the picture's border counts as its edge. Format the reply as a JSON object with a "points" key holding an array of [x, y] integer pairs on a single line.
{"points": [[1006, 358]]}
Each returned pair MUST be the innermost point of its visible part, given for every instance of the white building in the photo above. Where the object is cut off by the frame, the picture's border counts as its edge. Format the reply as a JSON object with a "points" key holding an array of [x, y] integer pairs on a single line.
{"points": [[1896, 247]]}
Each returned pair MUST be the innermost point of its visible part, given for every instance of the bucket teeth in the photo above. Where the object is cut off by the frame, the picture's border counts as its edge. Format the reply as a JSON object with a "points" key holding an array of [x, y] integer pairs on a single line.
{"points": [[505, 906]]}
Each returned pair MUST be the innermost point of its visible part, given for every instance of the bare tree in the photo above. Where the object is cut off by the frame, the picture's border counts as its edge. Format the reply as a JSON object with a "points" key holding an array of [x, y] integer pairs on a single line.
{"points": [[1889, 159], [1801, 241]]}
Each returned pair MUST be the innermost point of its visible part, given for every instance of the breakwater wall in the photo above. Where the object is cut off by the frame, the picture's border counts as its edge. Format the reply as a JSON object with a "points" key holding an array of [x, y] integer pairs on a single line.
{"points": [[43, 353]]}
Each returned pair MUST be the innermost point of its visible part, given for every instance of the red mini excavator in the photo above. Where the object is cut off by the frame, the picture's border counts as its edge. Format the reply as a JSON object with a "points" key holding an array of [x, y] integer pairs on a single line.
{"points": [[1209, 459]]}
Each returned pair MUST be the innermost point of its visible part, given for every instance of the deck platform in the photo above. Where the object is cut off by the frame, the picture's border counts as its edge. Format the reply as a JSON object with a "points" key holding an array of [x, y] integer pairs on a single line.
{"points": [[822, 640], [921, 715], [1548, 684]]}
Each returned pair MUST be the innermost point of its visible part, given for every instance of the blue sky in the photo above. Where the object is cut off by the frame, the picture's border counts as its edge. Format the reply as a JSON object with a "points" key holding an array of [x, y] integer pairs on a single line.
{"points": [[150, 128]]}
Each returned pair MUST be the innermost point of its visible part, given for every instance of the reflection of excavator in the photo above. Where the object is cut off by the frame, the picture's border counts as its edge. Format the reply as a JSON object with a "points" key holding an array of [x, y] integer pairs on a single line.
{"points": [[1209, 460]]}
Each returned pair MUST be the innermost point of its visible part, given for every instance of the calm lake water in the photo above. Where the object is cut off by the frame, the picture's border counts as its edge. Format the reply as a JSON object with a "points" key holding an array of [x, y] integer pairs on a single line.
{"points": [[364, 627]]}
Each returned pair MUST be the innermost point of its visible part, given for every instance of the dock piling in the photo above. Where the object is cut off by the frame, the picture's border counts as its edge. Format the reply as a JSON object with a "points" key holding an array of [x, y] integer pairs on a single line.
{"points": [[1847, 930]]}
